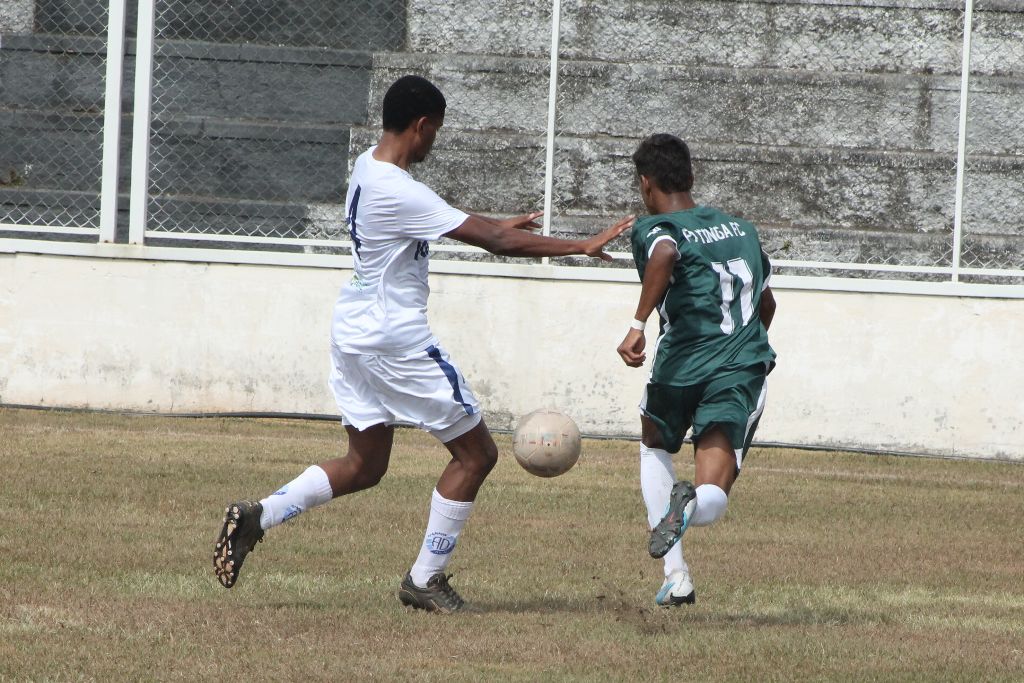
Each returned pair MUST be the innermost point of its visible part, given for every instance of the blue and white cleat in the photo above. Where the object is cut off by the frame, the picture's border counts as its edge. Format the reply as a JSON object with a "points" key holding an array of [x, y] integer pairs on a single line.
{"points": [[677, 590], [669, 530]]}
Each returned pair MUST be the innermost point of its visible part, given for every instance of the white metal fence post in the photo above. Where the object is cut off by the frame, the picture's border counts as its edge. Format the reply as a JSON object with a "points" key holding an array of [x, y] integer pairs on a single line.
{"points": [[112, 120], [140, 130], [549, 156], [961, 152]]}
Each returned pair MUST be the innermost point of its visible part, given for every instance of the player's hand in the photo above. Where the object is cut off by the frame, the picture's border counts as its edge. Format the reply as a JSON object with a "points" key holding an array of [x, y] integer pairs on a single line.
{"points": [[631, 350], [594, 246], [525, 222]]}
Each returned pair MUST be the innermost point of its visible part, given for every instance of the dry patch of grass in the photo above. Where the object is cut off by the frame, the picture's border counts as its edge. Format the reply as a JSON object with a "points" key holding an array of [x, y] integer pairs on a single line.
{"points": [[828, 565]]}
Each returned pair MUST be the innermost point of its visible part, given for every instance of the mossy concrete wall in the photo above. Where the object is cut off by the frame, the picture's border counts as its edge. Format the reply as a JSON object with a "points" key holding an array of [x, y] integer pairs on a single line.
{"points": [[832, 126]]}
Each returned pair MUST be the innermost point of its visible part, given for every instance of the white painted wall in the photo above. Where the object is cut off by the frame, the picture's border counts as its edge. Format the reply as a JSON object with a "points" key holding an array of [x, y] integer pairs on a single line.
{"points": [[883, 371]]}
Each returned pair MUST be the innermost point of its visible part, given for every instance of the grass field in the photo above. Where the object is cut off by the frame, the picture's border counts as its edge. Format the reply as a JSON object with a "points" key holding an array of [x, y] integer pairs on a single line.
{"points": [[828, 565]]}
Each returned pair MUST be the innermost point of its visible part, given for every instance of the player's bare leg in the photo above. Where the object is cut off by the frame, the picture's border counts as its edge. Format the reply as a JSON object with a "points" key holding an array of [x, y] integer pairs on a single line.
{"points": [[715, 460], [245, 522], [716, 470], [367, 460], [704, 503], [474, 455], [426, 586], [362, 467]]}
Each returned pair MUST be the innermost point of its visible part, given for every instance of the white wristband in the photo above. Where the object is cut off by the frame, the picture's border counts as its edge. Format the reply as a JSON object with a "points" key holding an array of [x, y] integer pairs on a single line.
{"points": [[638, 324]]}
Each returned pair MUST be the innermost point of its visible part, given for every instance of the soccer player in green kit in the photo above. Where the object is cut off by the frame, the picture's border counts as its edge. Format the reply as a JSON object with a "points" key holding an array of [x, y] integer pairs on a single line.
{"points": [[707, 275]]}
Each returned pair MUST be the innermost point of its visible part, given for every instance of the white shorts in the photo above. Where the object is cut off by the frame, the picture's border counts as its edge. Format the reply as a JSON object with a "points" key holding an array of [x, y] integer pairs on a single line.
{"points": [[422, 389]]}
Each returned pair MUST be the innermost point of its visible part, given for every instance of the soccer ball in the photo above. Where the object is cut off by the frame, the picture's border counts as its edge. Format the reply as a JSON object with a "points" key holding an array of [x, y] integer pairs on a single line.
{"points": [[546, 443]]}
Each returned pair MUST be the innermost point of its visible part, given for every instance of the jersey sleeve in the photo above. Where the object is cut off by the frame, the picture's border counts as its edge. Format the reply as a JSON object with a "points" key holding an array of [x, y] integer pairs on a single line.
{"points": [[423, 215], [661, 232]]}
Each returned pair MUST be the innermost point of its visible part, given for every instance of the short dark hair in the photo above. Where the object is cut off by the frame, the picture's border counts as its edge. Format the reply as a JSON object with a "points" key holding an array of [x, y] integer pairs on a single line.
{"points": [[411, 98], [665, 159]]}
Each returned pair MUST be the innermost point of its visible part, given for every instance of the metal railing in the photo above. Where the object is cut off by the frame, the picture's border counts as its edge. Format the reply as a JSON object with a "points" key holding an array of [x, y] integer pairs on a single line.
{"points": [[877, 147], [61, 107]]}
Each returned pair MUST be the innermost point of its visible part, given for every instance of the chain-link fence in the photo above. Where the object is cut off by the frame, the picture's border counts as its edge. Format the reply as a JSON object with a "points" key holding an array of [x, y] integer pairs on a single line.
{"points": [[253, 108], [52, 82], [836, 128], [993, 198]]}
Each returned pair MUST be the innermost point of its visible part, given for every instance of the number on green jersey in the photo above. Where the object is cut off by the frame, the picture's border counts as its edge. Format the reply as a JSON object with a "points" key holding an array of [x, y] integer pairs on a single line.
{"points": [[728, 272]]}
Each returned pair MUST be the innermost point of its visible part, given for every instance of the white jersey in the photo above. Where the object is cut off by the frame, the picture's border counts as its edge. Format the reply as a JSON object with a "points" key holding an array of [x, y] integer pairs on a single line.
{"points": [[392, 218]]}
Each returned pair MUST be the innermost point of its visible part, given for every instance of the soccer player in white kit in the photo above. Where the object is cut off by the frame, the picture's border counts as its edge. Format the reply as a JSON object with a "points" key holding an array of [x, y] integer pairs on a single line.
{"points": [[387, 366]]}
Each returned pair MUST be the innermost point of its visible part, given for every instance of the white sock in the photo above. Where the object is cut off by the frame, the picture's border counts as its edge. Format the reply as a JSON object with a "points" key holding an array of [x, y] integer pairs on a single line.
{"points": [[711, 504], [309, 489], [447, 517], [674, 559], [656, 479]]}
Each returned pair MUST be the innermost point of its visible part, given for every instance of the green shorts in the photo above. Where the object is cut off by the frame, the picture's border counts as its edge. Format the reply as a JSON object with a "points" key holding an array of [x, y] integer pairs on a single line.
{"points": [[733, 401]]}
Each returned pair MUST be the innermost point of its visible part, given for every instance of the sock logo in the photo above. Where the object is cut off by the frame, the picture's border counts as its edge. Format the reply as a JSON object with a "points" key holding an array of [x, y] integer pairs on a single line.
{"points": [[291, 511], [440, 543], [281, 491]]}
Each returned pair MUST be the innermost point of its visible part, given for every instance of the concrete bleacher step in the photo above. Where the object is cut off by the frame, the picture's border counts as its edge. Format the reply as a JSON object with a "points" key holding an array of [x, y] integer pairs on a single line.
{"points": [[52, 73], [794, 108], [198, 156], [302, 85], [750, 106], [343, 24], [206, 216], [25, 206], [871, 152], [213, 131], [312, 221], [799, 188], [50, 208], [51, 150], [896, 36], [249, 161]]}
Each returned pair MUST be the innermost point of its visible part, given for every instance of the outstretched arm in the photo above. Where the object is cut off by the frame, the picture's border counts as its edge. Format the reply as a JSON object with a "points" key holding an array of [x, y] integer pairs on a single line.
{"points": [[657, 274], [525, 222], [512, 237]]}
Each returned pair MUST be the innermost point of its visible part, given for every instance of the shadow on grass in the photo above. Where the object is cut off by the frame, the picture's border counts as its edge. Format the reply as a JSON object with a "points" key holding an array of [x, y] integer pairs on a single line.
{"points": [[792, 616], [653, 619], [541, 606], [317, 606]]}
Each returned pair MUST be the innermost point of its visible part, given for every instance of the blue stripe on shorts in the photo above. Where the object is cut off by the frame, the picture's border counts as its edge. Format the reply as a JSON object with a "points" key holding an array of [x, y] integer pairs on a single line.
{"points": [[452, 375]]}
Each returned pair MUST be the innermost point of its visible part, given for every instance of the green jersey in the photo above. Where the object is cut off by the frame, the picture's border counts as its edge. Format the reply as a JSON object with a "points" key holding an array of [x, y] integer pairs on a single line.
{"points": [[710, 321]]}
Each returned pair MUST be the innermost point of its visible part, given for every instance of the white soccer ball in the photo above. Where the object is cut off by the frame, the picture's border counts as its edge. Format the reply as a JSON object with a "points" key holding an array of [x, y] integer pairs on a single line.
{"points": [[546, 443]]}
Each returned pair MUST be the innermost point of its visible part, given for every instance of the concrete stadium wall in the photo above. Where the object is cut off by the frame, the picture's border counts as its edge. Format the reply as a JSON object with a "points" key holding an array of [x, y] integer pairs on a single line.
{"points": [[934, 375], [16, 16], [833, 126]]}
